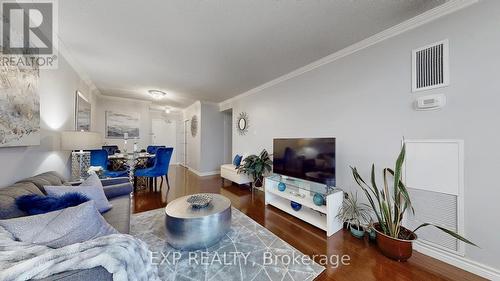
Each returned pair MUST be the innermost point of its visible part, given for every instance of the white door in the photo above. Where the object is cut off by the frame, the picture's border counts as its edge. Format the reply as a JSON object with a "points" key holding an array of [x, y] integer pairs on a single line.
{"points": [[164, 133]]}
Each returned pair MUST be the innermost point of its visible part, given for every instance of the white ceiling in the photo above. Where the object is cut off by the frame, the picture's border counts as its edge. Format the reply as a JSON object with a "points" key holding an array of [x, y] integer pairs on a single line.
{"points": [[212, 50]]}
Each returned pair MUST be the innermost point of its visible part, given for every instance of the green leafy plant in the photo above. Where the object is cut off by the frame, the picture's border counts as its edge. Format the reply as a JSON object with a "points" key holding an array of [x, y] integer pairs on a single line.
{"points": [[354, 213], [256, 166], [392, 201]]}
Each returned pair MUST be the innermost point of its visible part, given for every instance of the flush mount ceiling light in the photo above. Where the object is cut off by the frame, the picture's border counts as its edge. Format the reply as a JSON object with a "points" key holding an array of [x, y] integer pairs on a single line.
{"points": [[156, 94], [167, 110]]}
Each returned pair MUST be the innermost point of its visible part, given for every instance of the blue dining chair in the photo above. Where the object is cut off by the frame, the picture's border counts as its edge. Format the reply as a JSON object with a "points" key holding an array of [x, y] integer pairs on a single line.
{"points": [[99, 157], [159, 169], [151, 149], [110, 149]]}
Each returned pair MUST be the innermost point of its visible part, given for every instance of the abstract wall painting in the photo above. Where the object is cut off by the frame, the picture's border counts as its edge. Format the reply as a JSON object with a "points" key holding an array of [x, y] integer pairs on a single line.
{"points": [[19, 107], [119, 123]]}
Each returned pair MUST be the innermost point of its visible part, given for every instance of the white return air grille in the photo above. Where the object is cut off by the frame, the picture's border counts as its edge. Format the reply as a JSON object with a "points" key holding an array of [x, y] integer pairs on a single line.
{"points": [[436, 208], [435, 180], [431, 67]]}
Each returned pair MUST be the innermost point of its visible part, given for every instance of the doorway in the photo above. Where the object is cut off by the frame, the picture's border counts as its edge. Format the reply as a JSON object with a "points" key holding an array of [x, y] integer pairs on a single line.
{"points": [[164, 133], [228, 136]]}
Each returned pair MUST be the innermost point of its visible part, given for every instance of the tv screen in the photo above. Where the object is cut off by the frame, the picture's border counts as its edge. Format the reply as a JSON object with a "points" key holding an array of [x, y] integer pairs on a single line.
{"points": [[311, 159]]}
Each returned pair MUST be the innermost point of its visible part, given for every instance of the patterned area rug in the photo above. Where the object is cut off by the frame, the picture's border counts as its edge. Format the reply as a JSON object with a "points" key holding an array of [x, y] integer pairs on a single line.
{"points": [[248, 252]]}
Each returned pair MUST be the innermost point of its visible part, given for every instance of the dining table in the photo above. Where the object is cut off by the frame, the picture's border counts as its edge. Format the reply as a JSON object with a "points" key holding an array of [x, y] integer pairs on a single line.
{"points": [[133, 160]]}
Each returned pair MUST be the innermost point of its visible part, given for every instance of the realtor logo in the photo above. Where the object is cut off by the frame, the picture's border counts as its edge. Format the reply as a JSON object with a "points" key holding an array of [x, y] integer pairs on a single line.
{"points": [[28, 33]]}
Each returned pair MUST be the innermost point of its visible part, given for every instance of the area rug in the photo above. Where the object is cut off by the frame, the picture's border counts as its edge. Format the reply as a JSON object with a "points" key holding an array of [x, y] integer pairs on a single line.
{"points": [[248, 252]]}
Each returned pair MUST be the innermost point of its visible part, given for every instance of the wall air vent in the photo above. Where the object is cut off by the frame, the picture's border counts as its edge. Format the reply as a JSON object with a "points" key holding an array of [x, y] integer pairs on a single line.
{"points": [[434, 176], [430, 66]]}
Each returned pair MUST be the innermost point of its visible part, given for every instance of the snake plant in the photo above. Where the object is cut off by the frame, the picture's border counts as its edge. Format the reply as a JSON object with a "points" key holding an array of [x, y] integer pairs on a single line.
{"points": [[390, 202]]}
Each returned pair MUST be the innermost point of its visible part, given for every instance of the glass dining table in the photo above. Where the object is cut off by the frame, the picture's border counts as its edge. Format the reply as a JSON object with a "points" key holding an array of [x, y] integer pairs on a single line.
{"points": [[136, 160]]}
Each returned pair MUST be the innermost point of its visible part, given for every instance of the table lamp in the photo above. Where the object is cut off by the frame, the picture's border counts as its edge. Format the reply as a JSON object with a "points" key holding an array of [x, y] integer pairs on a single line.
{"points": [[77, 142]]}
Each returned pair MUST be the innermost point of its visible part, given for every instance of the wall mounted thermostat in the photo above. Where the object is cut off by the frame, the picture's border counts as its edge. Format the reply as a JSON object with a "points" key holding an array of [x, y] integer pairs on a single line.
{"points": [[430, 102]]}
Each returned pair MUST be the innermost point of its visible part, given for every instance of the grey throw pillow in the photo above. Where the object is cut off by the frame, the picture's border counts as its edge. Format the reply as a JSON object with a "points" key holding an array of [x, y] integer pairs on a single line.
{"points": [[91, 187], [60, 228]]}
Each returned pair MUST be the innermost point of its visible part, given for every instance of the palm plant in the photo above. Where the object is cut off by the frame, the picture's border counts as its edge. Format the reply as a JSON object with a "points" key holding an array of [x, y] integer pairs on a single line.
{"points": [[256, 166], [390, 203], [354, 213]]}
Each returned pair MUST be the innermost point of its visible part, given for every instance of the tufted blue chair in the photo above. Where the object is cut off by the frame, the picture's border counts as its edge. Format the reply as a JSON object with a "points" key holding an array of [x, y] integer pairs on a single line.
{"points": [[159, 168], [110, 149], [151, 149], [99, 157]]}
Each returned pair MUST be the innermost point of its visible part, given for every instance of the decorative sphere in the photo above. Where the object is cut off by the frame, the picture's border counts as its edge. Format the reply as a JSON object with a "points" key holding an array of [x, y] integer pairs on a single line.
{"points": [[318, 199], [281, 186], [295, 206]]}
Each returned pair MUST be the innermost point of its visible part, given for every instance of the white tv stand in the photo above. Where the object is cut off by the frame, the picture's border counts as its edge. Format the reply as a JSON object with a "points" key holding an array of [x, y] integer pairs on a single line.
{"points": [[302, 192]]}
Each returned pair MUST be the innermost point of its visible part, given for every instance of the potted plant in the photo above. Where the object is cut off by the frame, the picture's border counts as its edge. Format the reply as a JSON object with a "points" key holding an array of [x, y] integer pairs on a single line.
{"points": [[389, 205], [354, 213], [256, 166]]}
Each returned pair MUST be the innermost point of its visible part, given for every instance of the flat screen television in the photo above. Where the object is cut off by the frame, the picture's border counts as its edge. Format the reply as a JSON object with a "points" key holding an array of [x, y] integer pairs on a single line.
{"points": [[311, 159]]}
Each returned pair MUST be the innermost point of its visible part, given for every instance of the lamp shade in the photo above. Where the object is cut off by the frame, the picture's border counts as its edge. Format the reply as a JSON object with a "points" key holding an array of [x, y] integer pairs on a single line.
{"points": [[80, 140]]}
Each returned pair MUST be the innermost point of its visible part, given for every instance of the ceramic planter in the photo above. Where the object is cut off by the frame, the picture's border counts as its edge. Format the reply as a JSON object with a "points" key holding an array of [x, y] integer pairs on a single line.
{"points": [[396, 249], [358, 233]]}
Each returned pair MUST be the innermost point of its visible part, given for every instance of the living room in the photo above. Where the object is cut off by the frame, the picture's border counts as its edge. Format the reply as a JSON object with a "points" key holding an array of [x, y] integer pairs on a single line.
{"points": [[234, 140]]}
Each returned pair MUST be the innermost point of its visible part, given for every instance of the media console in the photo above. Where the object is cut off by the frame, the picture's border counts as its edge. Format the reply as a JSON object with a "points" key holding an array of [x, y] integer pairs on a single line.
{"points": [[281, 191]]}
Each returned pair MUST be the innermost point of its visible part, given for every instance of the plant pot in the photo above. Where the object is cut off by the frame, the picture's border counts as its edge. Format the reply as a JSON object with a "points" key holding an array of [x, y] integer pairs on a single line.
{"points": [[396, 249], [358, 233], [372, 235], [258, 182]]}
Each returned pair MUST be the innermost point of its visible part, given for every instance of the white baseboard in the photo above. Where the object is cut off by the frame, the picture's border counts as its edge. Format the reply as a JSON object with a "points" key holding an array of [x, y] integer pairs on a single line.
{"points": [[458, 261], [203, 174]]}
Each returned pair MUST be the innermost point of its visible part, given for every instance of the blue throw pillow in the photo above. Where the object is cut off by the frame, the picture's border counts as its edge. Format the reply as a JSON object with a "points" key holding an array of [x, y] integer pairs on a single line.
{"points": [[237, 160], [35, 204]]}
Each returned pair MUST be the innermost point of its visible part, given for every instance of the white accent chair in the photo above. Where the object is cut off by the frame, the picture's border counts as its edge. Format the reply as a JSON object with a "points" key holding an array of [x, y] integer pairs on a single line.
{"points": [[229, 172]]}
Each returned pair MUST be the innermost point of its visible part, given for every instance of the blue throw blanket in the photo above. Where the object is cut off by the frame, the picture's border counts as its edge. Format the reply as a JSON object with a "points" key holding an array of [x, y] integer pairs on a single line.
{"points": [[35, 204]]}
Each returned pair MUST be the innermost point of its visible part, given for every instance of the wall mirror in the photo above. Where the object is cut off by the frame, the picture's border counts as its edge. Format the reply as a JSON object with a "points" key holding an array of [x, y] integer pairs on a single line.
{"points": [[242, 123], [194, 126], [82, 112]]}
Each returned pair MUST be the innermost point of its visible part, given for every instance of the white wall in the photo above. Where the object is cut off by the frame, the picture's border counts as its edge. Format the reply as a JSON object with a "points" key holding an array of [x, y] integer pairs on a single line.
{"points": [[212, 138], [57, 103], [365, 101], [193, 144], [205, 151], [105, 103]]}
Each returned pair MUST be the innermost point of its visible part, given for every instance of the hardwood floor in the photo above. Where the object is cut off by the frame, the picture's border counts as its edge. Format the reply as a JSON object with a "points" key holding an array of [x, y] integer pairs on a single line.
{"points": [[366, 263]]}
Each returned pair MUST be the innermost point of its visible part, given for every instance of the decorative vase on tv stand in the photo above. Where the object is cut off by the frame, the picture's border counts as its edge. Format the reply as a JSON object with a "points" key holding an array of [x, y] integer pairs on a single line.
{"points": [[256, 166], [281, 186], [393, 240]]}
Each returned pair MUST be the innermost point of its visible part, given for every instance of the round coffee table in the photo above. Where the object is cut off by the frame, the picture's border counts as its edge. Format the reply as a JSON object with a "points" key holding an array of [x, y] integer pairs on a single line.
{"points": [[189, 228]]}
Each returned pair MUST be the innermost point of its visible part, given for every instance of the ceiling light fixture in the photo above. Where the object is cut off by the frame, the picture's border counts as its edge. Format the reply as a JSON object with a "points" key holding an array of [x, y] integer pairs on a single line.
{"points": [[157, 94], [167, 110]]}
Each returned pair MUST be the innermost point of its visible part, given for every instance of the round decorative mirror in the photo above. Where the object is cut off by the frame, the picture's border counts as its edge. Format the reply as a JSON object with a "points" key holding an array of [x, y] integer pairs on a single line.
{"points": [[194, 126], [242, 123]]}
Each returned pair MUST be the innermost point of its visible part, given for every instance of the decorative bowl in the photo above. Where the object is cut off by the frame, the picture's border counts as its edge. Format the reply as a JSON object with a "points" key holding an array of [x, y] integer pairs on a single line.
{"points": [[199, 201], [281, 186], [295, 206]]}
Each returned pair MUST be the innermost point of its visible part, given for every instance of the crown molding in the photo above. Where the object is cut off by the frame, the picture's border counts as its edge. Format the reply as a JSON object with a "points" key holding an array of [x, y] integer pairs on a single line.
{"points": [[424, 18]]}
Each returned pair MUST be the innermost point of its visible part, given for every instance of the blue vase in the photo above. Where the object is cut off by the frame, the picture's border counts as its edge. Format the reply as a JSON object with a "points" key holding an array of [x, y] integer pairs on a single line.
{"points": [[295, 206], [281, 186], [318, 199]]}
